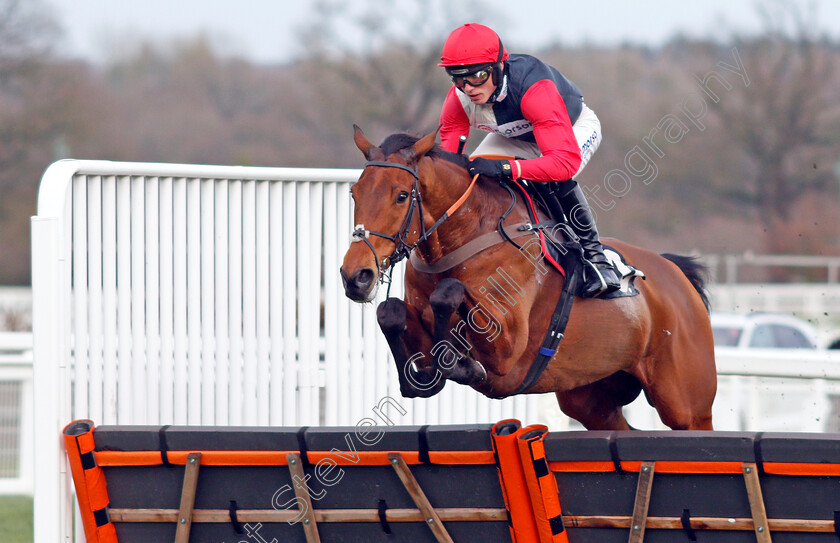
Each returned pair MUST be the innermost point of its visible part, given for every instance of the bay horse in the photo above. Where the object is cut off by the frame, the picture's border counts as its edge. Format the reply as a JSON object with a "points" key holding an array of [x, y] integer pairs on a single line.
{"points": [[481, 322]]}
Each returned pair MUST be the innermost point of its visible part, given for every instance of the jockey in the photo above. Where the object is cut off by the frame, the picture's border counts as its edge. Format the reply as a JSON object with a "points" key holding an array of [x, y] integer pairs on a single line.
{"points": [[534, 113]]}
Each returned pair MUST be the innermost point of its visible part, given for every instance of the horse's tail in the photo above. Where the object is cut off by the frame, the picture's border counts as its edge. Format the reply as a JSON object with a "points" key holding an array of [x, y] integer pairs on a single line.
{"points": [[696, 273]]}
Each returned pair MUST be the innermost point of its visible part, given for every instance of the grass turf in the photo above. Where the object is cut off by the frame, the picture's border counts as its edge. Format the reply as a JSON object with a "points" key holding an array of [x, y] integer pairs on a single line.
{"points": [[16, 519]]}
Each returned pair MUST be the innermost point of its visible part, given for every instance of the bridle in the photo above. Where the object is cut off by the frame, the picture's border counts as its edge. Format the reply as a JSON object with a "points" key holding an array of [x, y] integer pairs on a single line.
{"points": [[402, 249]]}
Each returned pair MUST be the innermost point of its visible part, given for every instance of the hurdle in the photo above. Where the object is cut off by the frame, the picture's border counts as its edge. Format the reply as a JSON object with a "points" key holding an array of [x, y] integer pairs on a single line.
{"points": [[732, 486], [290, 484], [501, 482]]}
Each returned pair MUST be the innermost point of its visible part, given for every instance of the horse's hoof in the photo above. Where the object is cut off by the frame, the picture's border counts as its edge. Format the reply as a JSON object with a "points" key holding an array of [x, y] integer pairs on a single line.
{"points": [[411, 392], [408, 392], [467, 372], [482, 374], [413, 387]]}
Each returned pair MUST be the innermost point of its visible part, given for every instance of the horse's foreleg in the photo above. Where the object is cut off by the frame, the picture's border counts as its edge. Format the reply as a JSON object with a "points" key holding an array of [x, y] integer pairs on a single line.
{"points": [[449, 296], [446, 298], [394, 318]]}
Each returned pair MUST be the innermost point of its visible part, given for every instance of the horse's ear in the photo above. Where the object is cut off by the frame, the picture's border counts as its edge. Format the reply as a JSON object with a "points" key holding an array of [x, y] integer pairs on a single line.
{"points": [[425, 144], [371, 151]]}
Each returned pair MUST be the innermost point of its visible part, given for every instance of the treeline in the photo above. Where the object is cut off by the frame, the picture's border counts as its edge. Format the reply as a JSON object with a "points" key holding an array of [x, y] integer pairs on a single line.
{"points": [[715, 147]]}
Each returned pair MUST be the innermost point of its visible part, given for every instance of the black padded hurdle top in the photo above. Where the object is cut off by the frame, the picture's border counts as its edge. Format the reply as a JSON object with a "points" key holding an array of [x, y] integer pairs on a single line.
{"points": [[383, 483]]}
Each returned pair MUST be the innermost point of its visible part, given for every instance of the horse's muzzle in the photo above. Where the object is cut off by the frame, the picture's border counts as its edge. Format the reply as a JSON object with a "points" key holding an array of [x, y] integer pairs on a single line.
{"points": [[361, 286]]}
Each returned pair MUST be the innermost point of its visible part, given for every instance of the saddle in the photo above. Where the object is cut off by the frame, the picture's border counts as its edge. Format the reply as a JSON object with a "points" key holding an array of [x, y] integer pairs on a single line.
{"points": [[558, 248], [626, 272]]}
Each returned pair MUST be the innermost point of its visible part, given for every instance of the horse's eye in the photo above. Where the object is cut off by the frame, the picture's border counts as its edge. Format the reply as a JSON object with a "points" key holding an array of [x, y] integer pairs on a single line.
{"points": [[402, 197]]}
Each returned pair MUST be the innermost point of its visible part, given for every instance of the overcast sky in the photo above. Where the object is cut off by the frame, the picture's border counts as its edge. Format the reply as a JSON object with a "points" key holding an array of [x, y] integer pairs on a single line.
{"points": [[266, 30]]}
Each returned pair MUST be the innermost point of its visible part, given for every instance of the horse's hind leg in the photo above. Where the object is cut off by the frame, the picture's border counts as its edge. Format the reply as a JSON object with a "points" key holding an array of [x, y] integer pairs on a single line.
{"points": [[598, 405], [449, 296], [683, 392]]}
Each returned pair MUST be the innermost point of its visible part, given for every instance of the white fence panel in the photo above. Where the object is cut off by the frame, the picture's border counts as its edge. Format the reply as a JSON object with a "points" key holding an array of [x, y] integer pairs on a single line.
{"points": [[183, 294], [16, 425], [778, 390]]}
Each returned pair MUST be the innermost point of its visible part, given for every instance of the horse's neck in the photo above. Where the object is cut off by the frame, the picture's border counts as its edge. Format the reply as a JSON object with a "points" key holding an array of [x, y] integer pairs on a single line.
{"points": [[478, 215]]}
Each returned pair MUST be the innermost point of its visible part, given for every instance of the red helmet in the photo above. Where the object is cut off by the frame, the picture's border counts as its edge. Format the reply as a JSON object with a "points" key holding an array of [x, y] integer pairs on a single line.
{"points": [[472, 44]]}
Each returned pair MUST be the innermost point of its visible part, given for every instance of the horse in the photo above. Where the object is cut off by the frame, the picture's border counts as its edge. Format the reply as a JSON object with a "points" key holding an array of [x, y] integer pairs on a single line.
{"points": [[481, 322]]}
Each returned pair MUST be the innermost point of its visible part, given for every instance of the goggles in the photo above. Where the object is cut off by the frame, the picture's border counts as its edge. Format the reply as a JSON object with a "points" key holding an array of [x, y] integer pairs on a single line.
{"points": [[475, 78]]}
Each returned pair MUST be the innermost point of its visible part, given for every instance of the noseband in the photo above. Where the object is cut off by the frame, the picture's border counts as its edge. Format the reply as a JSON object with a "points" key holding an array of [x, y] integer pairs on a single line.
{"points": [[402, 249]]}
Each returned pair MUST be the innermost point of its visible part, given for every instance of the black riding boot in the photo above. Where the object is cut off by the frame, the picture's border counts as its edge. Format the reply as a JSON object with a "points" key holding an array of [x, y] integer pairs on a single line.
{"points": [[599, 275]]}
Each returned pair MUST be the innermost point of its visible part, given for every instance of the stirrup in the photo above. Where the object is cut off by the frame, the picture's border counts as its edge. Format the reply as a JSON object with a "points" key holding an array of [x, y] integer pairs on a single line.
{"points": [[595, 282]]}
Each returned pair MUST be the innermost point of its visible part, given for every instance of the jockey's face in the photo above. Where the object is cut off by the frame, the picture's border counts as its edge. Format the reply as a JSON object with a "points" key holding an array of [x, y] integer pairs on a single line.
{"points": [[477, 85], [481, 93]]}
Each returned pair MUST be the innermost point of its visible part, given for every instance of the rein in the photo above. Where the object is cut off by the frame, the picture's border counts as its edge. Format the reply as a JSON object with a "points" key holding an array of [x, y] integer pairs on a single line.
{"points": [[402, 248]]}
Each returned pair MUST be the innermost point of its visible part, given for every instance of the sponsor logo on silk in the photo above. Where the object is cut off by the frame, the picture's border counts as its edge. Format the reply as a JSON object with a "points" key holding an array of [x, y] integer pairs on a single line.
{"points": [[515, 128], [587, 147], [508, 130]]}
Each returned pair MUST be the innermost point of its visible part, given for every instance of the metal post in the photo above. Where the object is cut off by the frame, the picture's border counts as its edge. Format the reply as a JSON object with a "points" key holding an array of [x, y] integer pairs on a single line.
{"points": [[49, 515]]}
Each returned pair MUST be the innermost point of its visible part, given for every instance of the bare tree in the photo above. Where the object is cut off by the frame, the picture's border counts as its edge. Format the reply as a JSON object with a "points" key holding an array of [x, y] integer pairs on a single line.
{"points": [[376, 63], [25, 138], [782, 122], [26, 35]]}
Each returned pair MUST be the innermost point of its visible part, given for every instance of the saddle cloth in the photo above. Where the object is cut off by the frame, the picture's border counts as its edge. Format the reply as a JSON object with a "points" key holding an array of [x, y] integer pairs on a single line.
{"points": [[625, 271]]}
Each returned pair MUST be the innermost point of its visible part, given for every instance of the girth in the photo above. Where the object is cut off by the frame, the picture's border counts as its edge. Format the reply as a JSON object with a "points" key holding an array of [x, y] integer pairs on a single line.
{"points": [[556, 330]]}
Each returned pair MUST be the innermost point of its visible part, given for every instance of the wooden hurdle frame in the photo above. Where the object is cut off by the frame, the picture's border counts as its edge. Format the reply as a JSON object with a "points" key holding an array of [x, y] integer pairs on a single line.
{"points": [[187, 514]]}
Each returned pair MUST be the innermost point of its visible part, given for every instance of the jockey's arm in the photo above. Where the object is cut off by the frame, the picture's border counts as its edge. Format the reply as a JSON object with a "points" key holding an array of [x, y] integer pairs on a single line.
{"points": [[545, 108], [454, 122]]}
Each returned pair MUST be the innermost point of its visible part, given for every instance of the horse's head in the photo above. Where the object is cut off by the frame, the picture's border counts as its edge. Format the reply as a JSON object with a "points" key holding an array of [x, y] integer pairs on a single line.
{"points": [[387, 213]]}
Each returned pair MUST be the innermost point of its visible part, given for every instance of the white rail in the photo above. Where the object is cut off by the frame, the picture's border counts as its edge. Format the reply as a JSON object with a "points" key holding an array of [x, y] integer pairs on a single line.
{"points": [[779, 363], [731, 264]]}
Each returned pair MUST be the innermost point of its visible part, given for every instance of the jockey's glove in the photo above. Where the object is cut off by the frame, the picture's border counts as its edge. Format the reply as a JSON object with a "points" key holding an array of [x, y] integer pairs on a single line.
{"points": [[499, 169]]}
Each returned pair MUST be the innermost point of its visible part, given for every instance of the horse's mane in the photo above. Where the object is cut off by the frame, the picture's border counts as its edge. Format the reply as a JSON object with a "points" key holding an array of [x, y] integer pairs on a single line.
{"points": [[397, 142]]}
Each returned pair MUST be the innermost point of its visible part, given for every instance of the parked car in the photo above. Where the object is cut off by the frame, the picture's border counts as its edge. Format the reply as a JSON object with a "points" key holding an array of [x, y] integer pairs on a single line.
{"points": [[763, 331]]}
